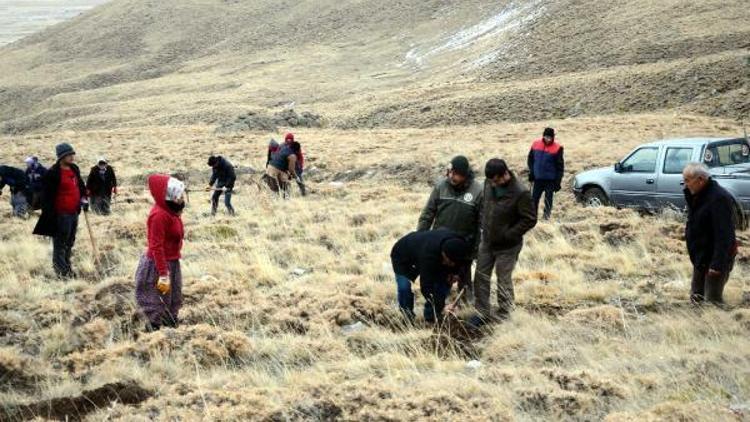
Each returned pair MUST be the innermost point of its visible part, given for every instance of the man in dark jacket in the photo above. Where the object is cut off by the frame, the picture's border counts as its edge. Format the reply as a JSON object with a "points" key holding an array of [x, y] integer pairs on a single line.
{"points": [[456, 204], [223, 176], [35, 172], [437, 257], [508, 214], [19, 189], [63, 198], [709, 233], [546, 169], [101, 185]]}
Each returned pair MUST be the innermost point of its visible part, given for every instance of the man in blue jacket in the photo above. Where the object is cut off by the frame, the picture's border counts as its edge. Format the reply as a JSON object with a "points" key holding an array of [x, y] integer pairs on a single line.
{"points": [[546, 169], [35, 172]]}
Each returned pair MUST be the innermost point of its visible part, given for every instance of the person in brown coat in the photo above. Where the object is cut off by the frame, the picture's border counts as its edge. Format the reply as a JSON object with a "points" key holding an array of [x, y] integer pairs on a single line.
{"points": [[508, 213]]}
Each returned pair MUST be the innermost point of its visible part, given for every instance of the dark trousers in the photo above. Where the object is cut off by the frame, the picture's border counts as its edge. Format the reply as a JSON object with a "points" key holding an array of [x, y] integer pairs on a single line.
{"points": [[546, 187], [101, 204], [503, 262], [227, 201], [301, 183], [62, 244], [709, 288], [434, 296]]}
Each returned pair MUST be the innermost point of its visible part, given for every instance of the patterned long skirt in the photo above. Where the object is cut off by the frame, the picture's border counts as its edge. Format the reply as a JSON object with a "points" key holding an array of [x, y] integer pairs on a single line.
{"points": [[159, 309]]}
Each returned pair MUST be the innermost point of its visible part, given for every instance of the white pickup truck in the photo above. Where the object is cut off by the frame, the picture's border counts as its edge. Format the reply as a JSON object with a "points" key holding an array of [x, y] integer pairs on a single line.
{"points": [[650, 177]]}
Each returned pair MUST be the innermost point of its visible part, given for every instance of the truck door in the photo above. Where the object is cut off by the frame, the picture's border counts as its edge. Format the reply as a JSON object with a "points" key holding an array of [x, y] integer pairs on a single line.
{"points": [[635, 184], [669, 185]]}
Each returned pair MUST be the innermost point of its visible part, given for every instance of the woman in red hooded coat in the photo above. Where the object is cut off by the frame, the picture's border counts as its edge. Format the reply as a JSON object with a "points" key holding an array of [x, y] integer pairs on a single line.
{"points": [[158, 277]]}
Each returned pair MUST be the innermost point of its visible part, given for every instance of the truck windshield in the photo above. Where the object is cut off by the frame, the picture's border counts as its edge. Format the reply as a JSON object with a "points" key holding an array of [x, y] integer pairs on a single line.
{"points": [[727, 153]]}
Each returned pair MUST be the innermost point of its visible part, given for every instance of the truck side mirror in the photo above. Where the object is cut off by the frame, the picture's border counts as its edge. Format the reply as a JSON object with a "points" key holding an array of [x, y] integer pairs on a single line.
{"points": [[618, 167]]}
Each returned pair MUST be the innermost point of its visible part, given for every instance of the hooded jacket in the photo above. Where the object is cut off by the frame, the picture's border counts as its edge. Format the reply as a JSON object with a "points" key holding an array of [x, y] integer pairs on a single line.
{"points": [[165, 229], [419, 254], [47, 224], [457, 209], [546, 162], [101, 186], [223, 173], [35, 174], [710, 231], [507, 216]]}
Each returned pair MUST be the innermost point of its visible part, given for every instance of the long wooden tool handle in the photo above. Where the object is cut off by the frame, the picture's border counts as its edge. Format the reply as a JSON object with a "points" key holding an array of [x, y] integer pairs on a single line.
{"points": [[93, 243]]}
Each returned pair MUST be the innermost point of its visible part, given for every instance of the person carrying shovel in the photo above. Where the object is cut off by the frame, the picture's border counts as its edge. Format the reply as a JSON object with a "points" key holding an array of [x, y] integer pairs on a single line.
{"points": [[224, 176], [158, 278], [63, 198]]}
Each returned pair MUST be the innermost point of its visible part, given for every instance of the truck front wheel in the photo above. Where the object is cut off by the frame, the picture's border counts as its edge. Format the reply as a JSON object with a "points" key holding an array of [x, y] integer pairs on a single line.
{"points": [[595, 197]]}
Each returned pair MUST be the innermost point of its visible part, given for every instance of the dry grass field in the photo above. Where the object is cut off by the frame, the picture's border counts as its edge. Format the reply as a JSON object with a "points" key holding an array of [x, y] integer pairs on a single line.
{"points": [[603, 328], [289, 308]]}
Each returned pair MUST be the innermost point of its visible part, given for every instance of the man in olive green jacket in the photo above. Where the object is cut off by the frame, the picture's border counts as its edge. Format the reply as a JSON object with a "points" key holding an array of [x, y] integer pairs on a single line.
{"points": [[508, 214], [456, 204]]}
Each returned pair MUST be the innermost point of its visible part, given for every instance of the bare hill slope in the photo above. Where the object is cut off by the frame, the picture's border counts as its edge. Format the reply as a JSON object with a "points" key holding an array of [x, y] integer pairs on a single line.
{"points": [[376, 63]]}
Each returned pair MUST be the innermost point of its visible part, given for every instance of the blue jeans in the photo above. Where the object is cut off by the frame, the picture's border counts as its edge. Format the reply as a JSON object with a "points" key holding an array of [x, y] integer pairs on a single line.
{"points": [[227, 201], [405, 296], [435, 297]]}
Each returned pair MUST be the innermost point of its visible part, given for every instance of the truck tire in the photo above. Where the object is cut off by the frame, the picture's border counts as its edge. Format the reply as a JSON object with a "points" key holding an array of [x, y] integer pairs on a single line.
{"points": [[595, 197]]}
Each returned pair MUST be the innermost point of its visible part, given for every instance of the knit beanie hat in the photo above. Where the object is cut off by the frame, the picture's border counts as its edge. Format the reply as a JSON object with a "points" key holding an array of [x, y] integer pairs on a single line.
{"points": [[63, 150], [289, 137], [175, 189], [456, 249], [213, 160], [460, 165], [549, 132]]}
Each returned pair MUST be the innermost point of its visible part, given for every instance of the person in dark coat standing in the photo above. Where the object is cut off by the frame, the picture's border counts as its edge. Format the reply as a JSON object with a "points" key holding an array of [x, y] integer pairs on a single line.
{"points": [[63, 198], [546, 169], [508, 214], [709, 234], [437, 257], [158, 278], [101, 185], [19, 189], [35, 172], [223, 176]]}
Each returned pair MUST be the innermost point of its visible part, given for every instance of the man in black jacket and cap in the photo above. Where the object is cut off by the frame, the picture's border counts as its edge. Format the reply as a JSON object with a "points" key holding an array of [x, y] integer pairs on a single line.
{"points": [[223, 176], [709, 234], [437, 257], [63, 198], [509, 213], [101, 185]]}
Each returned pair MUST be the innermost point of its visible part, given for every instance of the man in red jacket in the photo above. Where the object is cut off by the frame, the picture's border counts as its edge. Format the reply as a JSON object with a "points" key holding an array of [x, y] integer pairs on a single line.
{"points": [[159, 277], [63, 198]]}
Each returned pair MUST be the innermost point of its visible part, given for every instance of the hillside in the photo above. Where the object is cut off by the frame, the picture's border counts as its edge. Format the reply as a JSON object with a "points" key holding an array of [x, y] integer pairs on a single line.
{"points": [[377, 63]]}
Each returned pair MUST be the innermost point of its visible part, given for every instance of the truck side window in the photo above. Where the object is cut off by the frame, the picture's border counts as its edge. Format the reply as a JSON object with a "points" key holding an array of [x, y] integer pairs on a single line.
{"points": [[641, 161], [676, 160]]}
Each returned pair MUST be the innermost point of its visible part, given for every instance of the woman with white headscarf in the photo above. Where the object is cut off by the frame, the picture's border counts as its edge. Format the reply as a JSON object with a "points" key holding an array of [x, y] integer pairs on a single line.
{"points": [[158, 277]]}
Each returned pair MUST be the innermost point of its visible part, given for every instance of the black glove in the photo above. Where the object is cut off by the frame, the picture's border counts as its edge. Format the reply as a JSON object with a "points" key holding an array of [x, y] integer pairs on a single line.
{"points": [[85, 206], [531, 178], [558, 186]]}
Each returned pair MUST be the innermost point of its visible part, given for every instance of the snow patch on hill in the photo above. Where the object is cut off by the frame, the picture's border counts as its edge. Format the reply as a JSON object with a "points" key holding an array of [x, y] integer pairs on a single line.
{"points": [[507, 22]]}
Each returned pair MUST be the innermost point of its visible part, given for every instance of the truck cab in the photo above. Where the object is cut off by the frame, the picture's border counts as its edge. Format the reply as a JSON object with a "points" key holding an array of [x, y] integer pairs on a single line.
{"points": [[650, 176]]}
